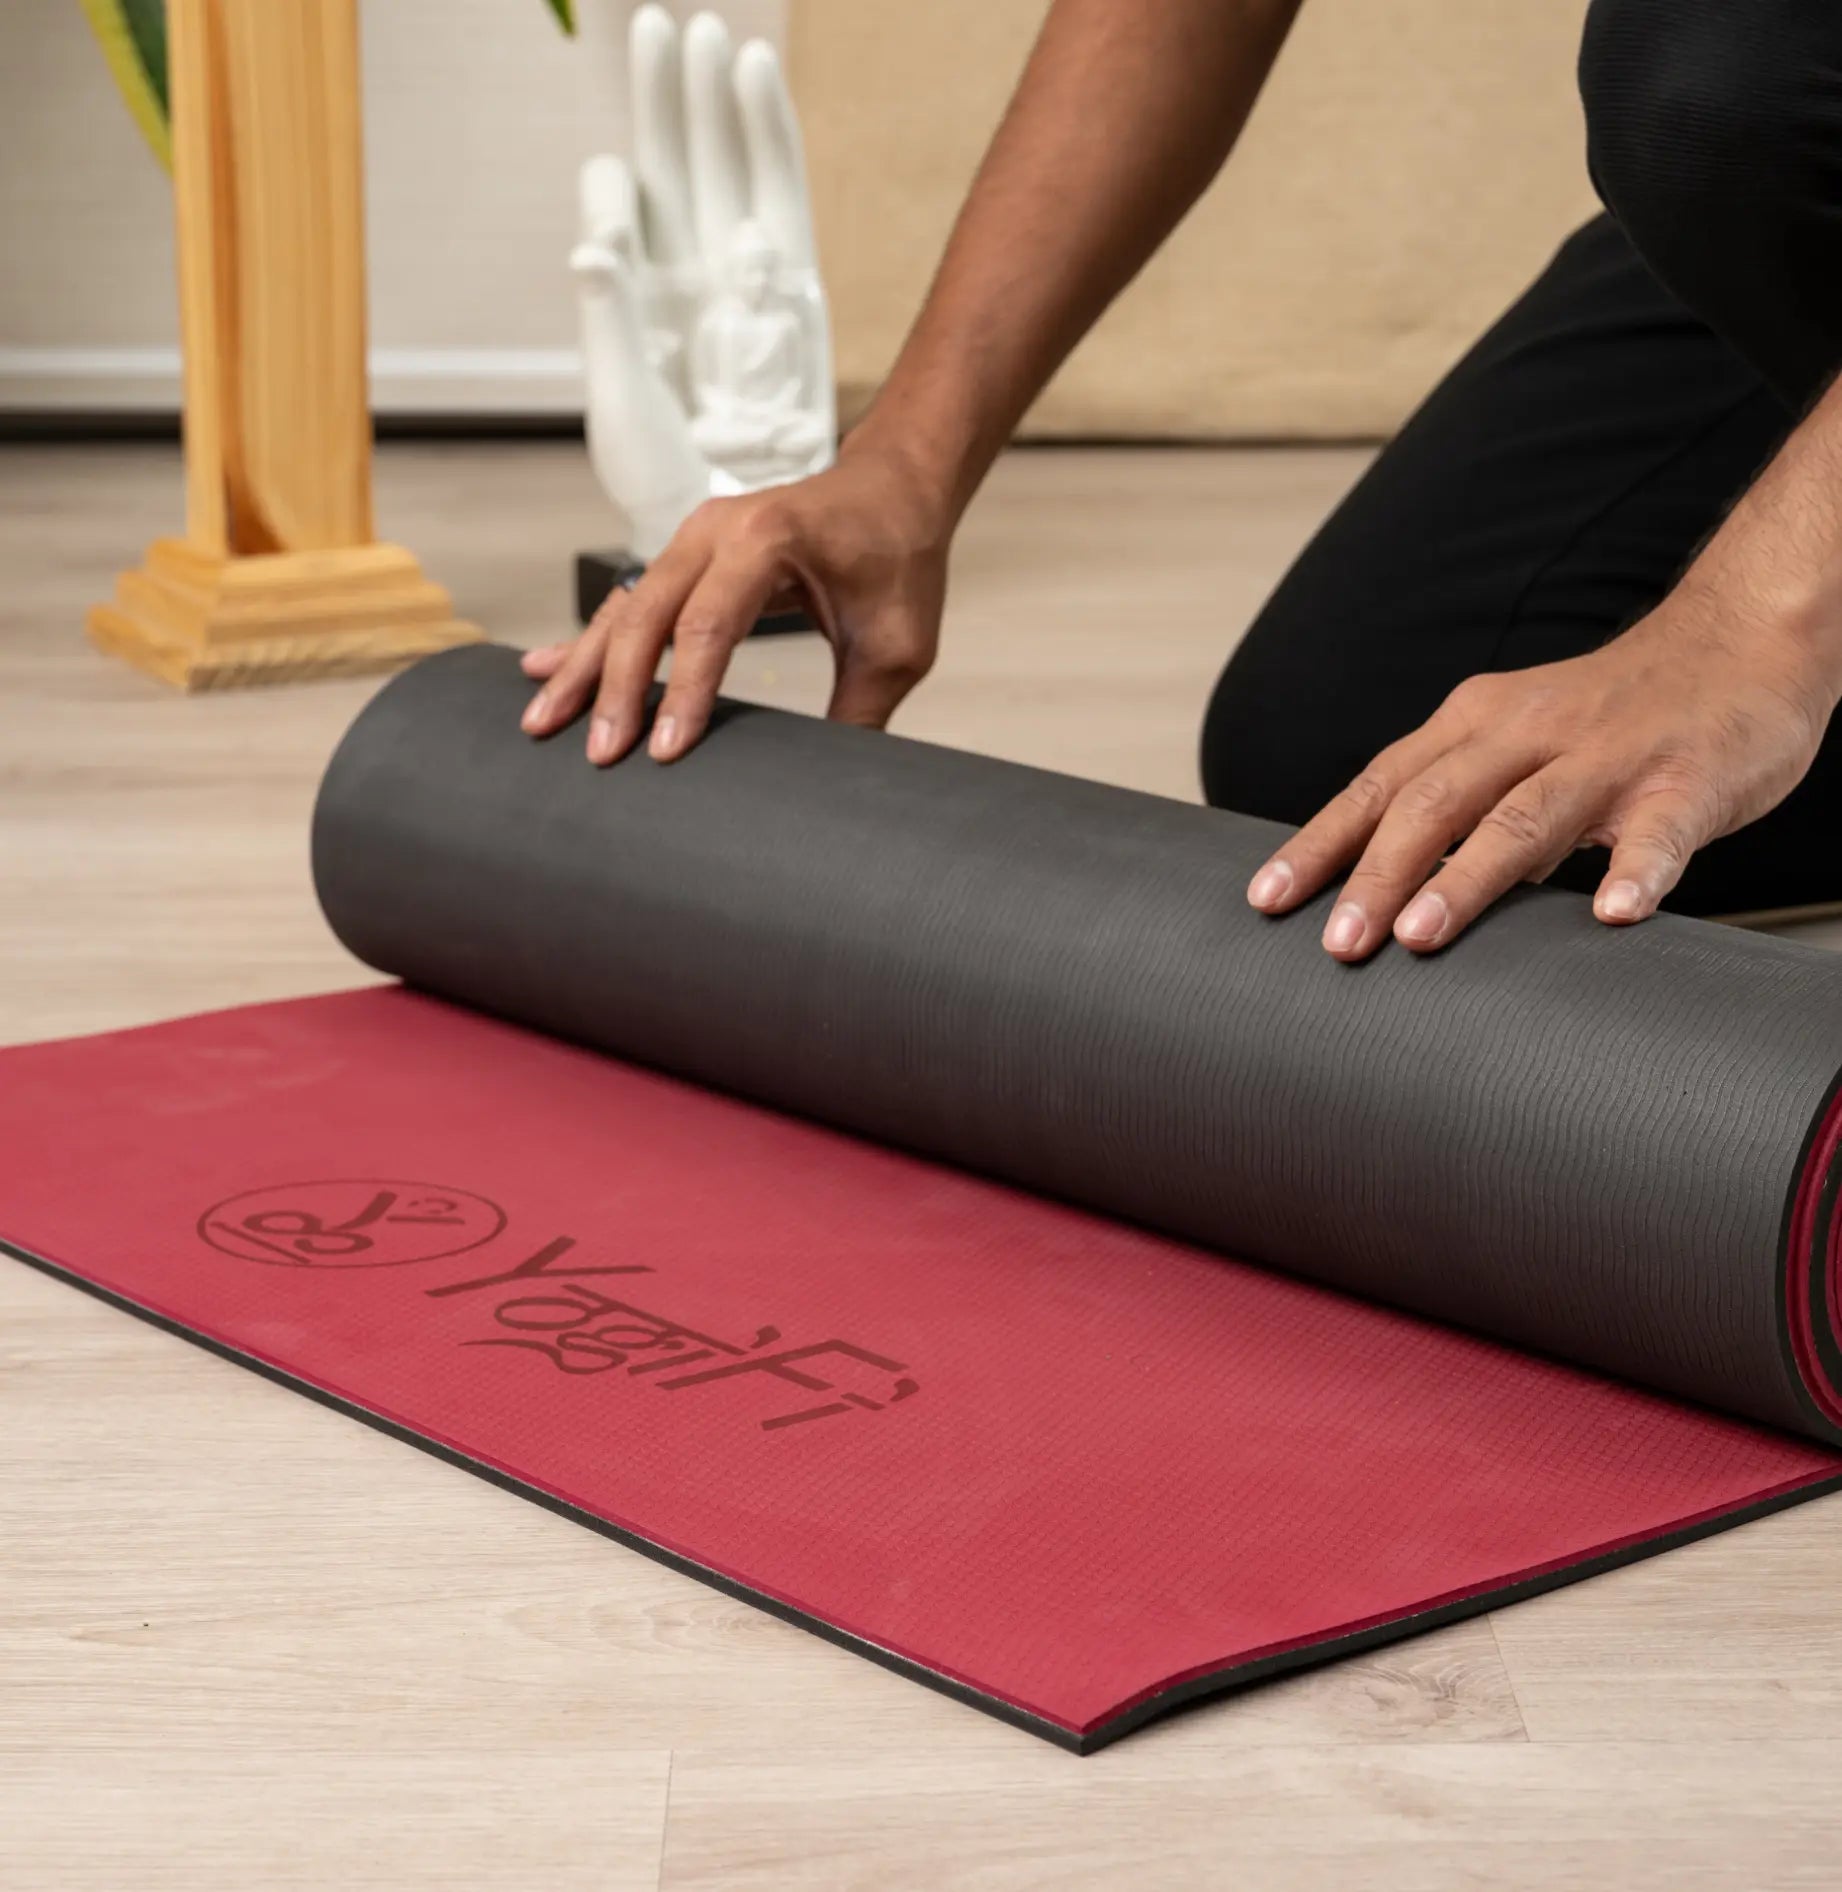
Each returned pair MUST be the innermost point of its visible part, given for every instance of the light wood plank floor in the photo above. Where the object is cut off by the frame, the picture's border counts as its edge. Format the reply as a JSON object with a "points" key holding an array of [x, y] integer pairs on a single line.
{"points": [[245, 1643]]}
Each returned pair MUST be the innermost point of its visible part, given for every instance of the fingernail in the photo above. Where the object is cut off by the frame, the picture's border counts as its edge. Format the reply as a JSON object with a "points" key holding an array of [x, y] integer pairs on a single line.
{"points": [[1270, 885], [1424, 919], [535, 713], [1622, 900], [1347, 925], [601, 740], [664, 737]]}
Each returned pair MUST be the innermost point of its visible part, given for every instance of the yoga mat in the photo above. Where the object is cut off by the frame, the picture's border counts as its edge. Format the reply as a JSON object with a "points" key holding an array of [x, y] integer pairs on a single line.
{"points": [[917, 1193]]}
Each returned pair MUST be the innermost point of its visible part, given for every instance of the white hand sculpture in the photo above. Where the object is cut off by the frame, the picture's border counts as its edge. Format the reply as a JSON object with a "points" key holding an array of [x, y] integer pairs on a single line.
{"points": [[704, 331]]}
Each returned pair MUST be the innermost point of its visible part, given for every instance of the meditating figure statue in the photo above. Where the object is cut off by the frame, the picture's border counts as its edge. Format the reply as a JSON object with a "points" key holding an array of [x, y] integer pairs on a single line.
{"points": [[705, 339], [753, 410]]}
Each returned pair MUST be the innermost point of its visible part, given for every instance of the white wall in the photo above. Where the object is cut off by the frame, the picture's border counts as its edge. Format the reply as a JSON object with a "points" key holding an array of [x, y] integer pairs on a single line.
{"points": [[477, 114]]}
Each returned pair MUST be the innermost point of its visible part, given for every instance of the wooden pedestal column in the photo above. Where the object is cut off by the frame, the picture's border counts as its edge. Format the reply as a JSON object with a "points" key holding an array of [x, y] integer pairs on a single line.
{"points": [[279, 574]]}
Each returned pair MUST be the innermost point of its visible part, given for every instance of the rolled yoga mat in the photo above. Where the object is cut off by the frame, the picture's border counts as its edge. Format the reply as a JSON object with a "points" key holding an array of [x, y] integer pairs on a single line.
{"points": [[917, 1193]]}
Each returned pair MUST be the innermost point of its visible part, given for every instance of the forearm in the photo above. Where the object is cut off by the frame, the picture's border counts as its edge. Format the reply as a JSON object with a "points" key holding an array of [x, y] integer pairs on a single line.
{"points": [[1769, 582], [1124, 114]]}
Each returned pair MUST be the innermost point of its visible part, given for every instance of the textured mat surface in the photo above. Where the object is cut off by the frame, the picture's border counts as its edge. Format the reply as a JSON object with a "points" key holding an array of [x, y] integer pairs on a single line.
{"points": [[1051, 1461], [932, 1203]]}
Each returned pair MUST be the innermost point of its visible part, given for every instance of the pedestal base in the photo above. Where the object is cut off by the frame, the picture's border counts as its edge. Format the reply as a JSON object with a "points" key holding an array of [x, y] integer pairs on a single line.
{"points": [[205, 623], [598, 573]]}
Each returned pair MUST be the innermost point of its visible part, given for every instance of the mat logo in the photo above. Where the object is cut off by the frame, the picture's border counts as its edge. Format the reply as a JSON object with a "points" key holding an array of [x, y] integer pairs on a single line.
{"points": [[583, 1332], [350, 1224], [544, 1303]]}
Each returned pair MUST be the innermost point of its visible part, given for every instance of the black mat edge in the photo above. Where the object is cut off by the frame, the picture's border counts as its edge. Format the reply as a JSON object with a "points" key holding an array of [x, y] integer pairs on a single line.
{"points": [[1266, 1668], [1195, 1688], [506, 1481]]}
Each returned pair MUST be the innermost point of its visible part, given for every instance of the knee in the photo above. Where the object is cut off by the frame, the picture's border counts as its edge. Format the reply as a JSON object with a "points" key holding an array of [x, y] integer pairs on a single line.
{"points": [[1235, 774], [1697, 113], [1270, 746]]}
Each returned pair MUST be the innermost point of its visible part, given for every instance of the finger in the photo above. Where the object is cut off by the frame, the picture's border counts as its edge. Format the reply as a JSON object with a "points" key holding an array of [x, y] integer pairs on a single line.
{"points": [[1524, 836], [609, 207], [541, 664], [871, 680], [1656, 840], [1333, 837], [660, 161], [713, 138], [1439, 806], [776, 161], [567, 690], [640, 628], [717, 615]]}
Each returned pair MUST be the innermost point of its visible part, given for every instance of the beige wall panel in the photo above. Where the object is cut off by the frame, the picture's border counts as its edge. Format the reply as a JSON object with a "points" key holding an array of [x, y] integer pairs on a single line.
{"points": [[1410, 168]]}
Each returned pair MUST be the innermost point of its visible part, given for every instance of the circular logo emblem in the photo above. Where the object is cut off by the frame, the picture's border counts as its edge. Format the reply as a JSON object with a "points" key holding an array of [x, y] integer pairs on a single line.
{"points": [[364, 1224]]}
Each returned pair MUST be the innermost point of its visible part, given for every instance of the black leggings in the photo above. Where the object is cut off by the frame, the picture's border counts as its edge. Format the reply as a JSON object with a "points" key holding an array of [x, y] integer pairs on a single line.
{"points": [[1554, 485]]}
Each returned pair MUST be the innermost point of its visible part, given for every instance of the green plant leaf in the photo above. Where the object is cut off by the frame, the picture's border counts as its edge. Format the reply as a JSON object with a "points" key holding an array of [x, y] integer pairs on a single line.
{"points": [[133, 38], [565, 11]]}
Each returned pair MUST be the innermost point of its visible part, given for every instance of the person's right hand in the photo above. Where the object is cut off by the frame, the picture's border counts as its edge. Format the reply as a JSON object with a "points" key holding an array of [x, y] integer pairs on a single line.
{"points": [[862, 547]]}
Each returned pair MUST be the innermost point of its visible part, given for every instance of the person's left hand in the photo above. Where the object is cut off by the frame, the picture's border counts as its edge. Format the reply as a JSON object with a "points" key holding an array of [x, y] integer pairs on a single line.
{"points": [[1679, 731]]}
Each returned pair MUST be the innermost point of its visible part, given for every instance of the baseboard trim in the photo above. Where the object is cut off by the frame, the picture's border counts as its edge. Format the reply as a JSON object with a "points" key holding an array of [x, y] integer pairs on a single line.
{"points": [[403, 380]]}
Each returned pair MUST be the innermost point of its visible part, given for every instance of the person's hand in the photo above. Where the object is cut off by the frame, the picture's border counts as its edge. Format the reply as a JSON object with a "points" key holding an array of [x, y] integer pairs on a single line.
{"points": [[1670, 736], [863, 547]]}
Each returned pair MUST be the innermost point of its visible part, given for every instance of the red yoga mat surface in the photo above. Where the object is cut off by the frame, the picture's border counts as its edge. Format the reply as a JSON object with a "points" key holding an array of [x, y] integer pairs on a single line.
{"points": [[1068, 1471]]}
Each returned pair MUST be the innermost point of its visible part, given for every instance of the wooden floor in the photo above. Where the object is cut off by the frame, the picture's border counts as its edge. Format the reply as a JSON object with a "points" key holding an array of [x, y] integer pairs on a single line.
{"points": [[245, 1643]]}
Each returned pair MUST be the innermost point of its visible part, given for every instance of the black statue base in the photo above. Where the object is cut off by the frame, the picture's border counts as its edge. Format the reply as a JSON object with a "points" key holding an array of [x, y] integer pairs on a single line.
{"points": [[597, 573]]}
